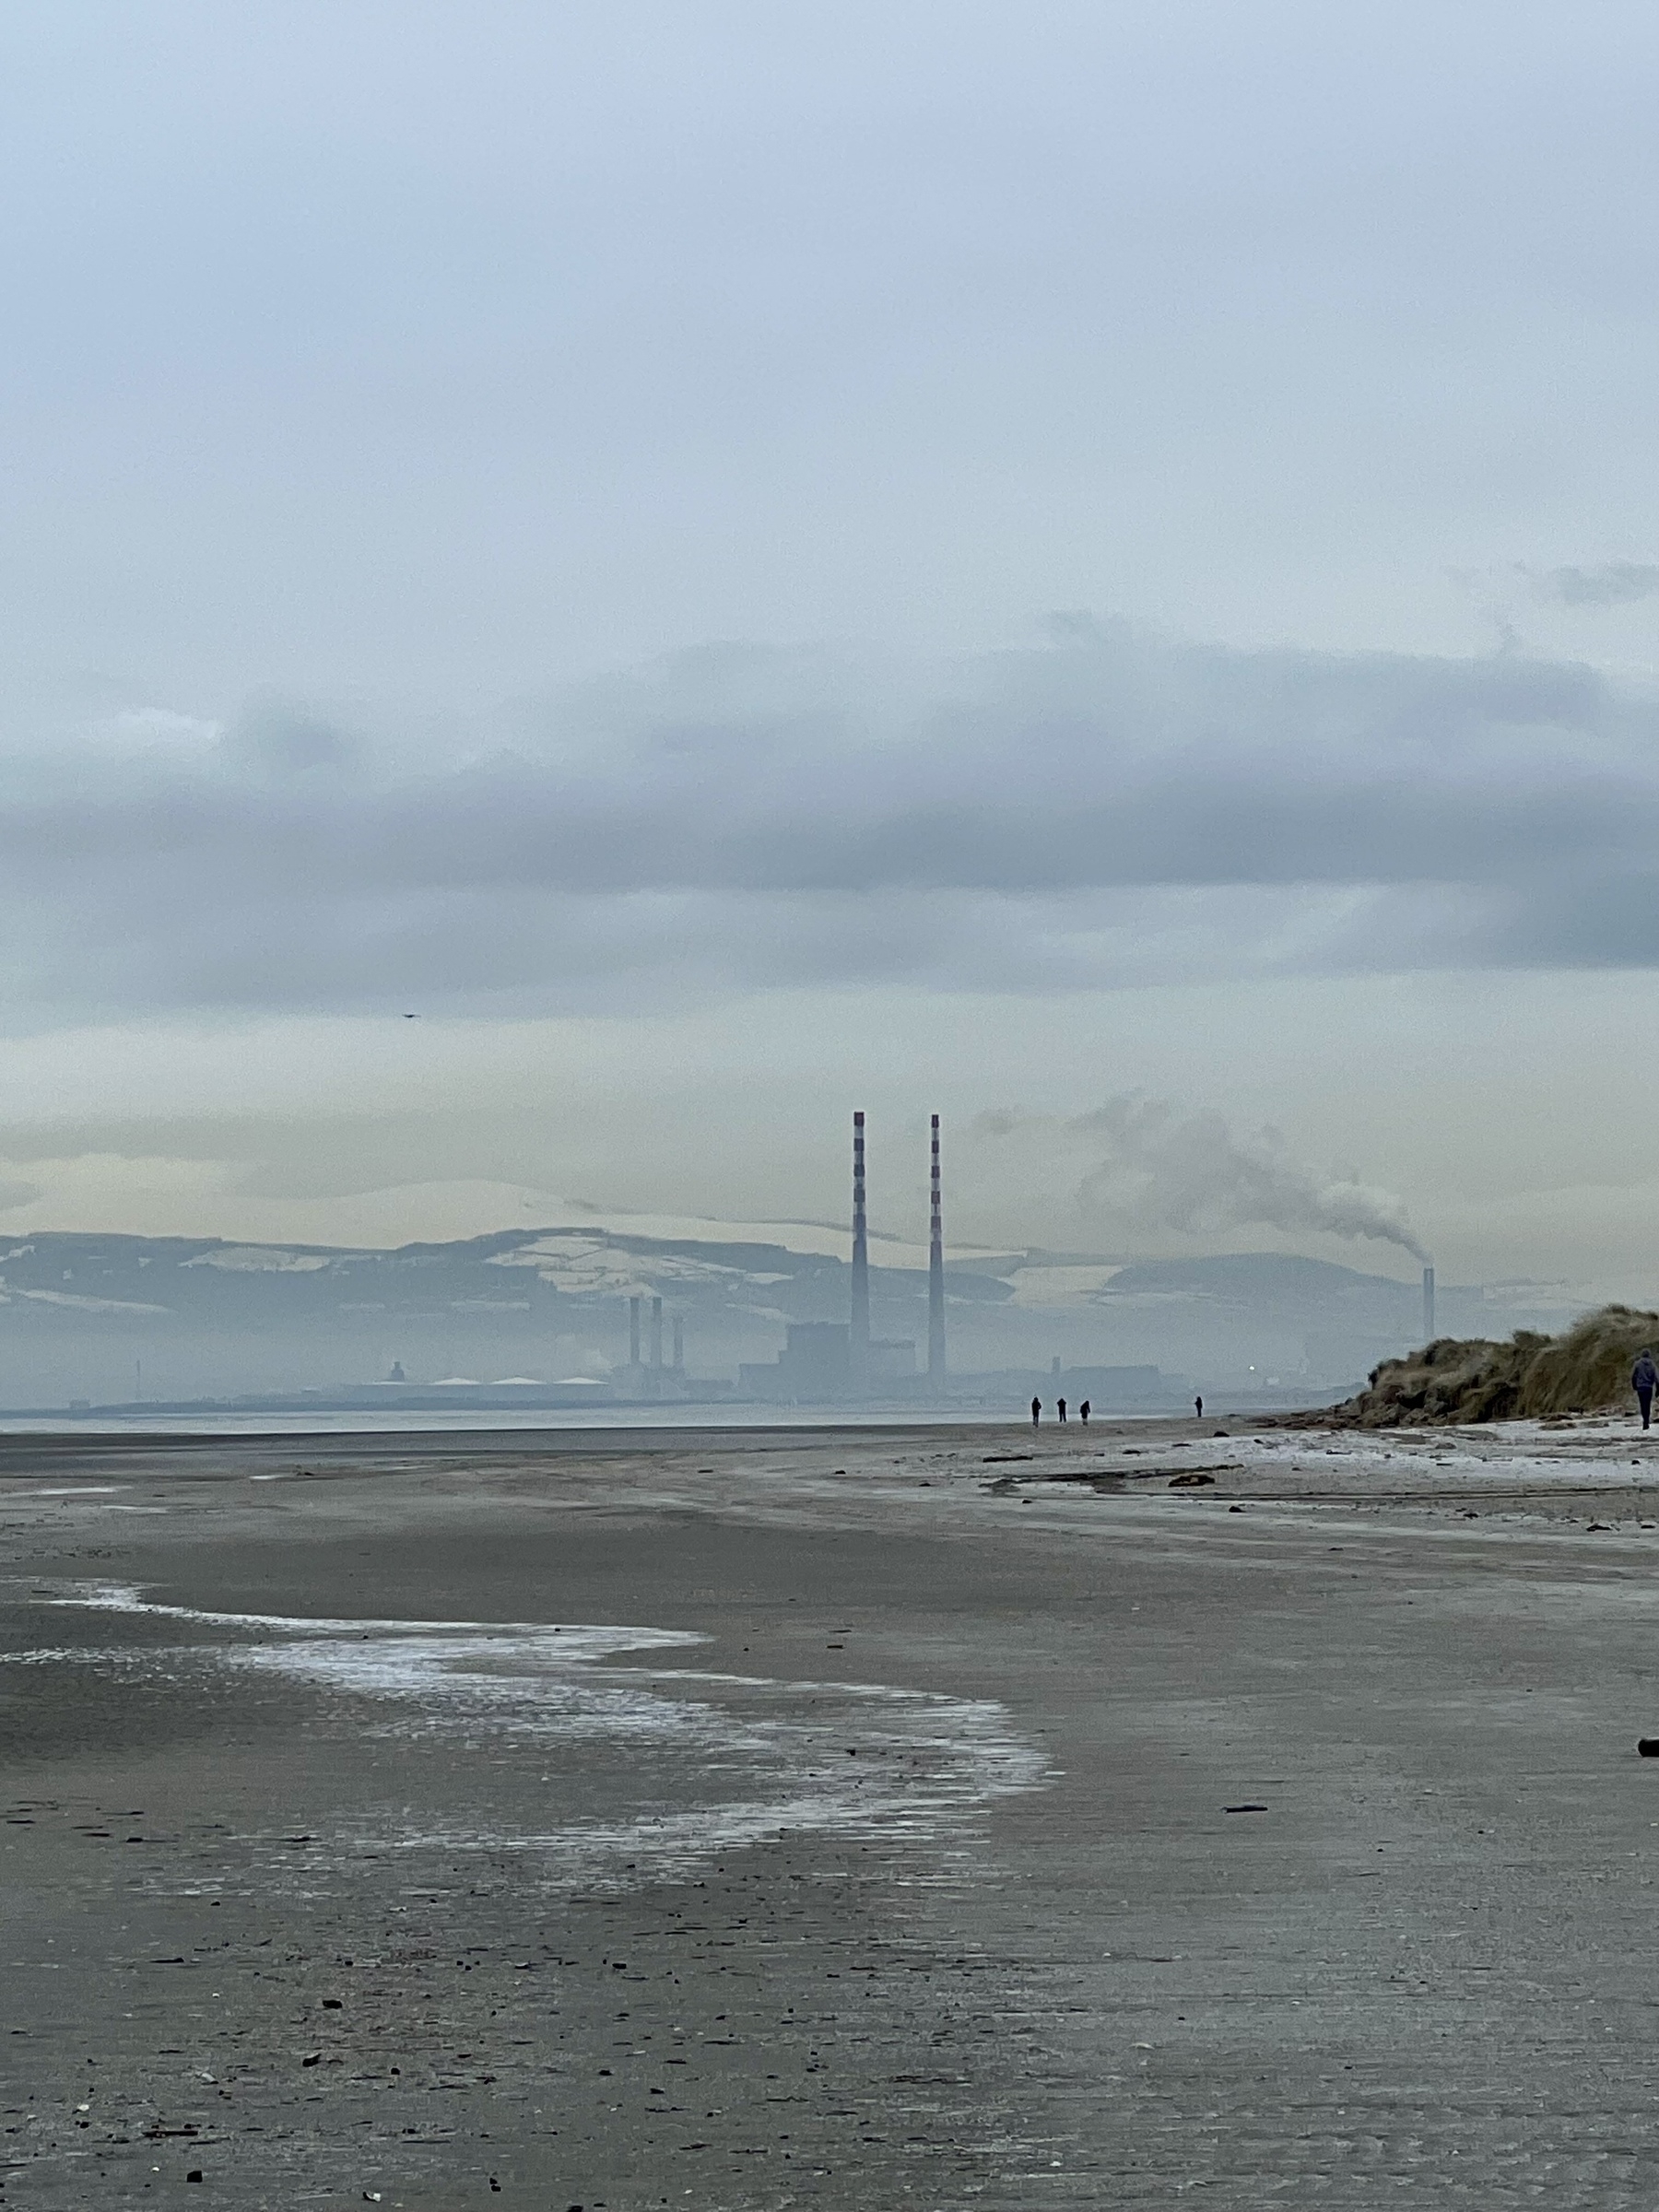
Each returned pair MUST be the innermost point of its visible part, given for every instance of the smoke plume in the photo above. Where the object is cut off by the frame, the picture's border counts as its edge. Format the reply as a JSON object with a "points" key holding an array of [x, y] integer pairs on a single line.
{"points": [[1159, 1168]]}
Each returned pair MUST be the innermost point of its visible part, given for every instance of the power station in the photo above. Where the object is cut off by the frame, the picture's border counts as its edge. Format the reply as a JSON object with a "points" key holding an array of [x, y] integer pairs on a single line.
{"points": [[859, 1369], [648, 1374], [854, 1362]]}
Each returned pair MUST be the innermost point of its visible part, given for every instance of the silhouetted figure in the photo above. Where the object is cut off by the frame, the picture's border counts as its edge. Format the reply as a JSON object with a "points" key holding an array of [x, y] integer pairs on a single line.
{"points": [[1060, 1409], [1083, 1413], [1036, 1411], [1198, 1408], [1645, 1380]]}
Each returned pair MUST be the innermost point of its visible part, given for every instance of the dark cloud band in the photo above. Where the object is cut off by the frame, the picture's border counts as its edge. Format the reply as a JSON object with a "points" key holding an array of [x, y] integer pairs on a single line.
{"points": [[1107, 808]]}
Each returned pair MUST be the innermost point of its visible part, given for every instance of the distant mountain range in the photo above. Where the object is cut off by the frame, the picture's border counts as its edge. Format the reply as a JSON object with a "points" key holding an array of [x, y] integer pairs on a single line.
{"points": [[109, 1317]]}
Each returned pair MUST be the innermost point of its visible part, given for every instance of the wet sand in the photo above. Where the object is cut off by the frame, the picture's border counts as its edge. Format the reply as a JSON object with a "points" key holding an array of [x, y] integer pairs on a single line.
{"points": [[924, 1817]]}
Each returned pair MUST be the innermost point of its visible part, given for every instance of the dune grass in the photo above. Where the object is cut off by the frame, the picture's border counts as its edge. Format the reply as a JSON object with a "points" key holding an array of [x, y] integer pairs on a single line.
{"points": [[1457, 1379]]}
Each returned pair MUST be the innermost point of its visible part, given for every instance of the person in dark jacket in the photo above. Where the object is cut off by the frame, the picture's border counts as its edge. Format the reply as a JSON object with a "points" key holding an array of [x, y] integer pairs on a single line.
{"points": [[1083, 1413], [1060, 1408], [1645, 1380], [1036, 1411]]}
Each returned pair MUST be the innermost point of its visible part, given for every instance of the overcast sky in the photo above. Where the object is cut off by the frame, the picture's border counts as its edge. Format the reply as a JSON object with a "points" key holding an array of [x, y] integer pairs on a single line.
{"points": [[1091, 567]]}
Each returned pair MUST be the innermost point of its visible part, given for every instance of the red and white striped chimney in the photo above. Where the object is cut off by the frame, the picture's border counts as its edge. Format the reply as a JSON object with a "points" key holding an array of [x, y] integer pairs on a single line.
{"points": [[858, 1341], [936, 1269]]}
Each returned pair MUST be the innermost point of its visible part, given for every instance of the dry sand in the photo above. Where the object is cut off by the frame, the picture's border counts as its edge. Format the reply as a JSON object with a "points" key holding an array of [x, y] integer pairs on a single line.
{"points": [[880, 1818]]}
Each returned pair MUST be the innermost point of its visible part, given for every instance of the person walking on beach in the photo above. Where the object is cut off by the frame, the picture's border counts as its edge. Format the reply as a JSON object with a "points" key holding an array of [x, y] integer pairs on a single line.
{"points": [[1645, 1380], [1060, 1409], [1083, 1412], [1036, 1411], [1198, 1409]]}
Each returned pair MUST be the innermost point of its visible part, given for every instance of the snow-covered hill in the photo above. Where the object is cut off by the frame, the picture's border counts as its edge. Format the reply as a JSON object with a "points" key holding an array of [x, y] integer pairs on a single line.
{"points": [[84, 1316]]}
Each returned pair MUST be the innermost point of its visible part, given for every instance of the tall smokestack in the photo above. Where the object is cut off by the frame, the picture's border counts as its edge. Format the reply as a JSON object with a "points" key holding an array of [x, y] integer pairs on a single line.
{"points": [[858, 1341], [633, 1331], [679, 1343], [656, 1332], [936, 1269], [1428, 1305]]}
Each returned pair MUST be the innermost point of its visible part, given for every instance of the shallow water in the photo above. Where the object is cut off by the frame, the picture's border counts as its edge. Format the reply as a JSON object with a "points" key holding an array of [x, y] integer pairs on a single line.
{"points": [[645, 1769]]}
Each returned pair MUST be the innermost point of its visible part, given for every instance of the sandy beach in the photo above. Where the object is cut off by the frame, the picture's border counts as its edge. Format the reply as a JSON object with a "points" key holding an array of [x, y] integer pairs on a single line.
{"points": [[921, 1816]]}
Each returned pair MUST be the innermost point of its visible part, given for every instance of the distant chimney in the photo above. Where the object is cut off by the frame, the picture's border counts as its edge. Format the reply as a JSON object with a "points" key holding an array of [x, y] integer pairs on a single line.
{"points": [[633, 1331], [858, 1340], [679, 1343], [1055, 1366], [656, 1332], [936, 1270], [1428, 1305]]}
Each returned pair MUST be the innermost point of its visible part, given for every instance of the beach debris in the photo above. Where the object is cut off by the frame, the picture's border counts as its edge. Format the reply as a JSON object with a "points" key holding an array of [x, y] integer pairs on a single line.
{"points": [[1194, 1479], [1648, 1746], [311, 2058], [1243, 1808], [195, 2174]]}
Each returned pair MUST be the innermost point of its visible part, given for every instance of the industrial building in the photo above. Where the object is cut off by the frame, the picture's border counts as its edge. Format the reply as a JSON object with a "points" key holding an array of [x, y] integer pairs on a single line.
{"points": [[653, 1377], [826, 1362]]}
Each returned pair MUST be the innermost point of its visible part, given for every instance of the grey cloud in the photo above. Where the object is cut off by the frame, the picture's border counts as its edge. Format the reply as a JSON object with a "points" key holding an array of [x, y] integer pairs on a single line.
{"points": [[279, 738], [1614, 583], [1106, 808], [415, 361]]}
